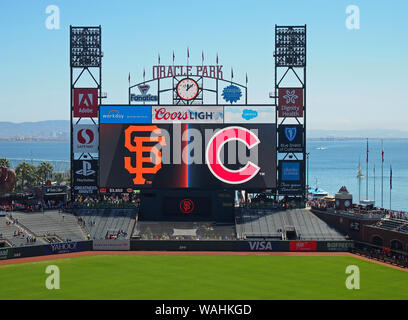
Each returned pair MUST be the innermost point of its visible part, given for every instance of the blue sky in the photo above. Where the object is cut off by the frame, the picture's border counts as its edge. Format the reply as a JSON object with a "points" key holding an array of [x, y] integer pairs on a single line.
{"points": [[356, 78]]}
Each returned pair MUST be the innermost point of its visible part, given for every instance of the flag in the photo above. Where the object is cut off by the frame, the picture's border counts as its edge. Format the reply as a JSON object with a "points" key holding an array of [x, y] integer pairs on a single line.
{"points": [[246, 78], [202, 56], [217, 59], [232, 74], [144, 74], [390, 178], [188, 52], [159, 58], [173, 56], [129, 78]]}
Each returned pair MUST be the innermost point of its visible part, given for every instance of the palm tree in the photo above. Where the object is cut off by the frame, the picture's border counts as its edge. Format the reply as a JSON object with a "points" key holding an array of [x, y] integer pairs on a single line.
{"points": [[26, 173], [44, 171], [5, 163]]}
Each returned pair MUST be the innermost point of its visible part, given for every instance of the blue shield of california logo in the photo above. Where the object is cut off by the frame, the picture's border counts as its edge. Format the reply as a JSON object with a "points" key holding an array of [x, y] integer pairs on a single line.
{"points": [[290, 133]]}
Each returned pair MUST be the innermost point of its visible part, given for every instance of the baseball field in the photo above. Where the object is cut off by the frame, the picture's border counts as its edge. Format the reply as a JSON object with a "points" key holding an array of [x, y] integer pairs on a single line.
{"points": [[202, 276]]}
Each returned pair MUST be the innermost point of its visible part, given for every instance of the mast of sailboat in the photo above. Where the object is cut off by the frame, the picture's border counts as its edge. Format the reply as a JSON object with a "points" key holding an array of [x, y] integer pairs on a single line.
{"points": [[359, 175], [374, 183], [367, 172], [382, 173]]}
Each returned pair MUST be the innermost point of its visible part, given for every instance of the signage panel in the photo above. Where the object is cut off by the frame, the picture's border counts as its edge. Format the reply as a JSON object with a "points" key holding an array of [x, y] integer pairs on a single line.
{"points": [[125, 114]]}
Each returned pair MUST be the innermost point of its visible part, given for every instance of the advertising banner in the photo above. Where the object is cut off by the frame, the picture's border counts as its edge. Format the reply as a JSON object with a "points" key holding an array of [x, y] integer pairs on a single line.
{"points": [[291, 180], [290, 102], [85, 176], [290, 138], [338, 246], [85, 172], [111, 245], [85, 102], [125, 114], [63, 247], [187, 156], [302, 245], [85, 138], [248, 114], [263, 245], [187, 114], [4, 253], [54, 190]]}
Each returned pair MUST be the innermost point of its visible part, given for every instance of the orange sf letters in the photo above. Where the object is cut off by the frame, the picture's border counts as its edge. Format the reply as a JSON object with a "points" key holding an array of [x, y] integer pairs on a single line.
{"points": [[138, 146]]}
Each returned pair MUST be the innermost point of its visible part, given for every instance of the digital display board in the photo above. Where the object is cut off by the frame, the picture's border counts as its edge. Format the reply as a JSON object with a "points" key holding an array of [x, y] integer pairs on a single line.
{"points": [[187, 155]]}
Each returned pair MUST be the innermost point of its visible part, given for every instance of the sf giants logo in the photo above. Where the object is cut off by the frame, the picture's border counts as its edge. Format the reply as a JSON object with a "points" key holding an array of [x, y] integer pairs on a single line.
{"points": [[214, 148], [186, 206], [138, 146]]}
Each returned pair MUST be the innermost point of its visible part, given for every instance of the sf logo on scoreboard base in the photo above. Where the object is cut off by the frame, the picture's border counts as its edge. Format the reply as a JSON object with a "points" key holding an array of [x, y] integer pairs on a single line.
{"points": [[138, 146]]}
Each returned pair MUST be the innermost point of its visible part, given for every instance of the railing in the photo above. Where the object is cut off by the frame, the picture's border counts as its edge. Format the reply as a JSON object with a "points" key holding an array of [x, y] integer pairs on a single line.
{"points": [[351, 214]]}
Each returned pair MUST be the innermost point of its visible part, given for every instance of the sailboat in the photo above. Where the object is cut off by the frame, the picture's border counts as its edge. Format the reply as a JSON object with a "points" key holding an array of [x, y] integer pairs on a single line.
{"points": [[367, 202]]}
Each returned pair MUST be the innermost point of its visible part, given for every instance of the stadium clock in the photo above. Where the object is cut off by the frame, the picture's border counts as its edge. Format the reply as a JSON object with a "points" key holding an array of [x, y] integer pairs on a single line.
{"points": [[187, 89]]}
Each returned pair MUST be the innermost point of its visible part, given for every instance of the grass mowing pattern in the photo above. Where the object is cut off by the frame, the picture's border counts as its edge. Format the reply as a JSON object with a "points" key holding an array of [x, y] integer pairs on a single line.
{"points": [[203, 277]]}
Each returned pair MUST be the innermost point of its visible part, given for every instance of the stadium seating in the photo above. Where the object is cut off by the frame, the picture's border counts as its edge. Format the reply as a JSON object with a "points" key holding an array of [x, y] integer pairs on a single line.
{"points": [[394, 225], [163, 230], [273, 223], [63, 225], [7, 232], [100, 222]]}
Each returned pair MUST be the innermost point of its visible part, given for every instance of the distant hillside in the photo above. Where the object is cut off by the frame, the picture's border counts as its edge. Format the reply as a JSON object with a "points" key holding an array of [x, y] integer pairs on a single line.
{"points": [[59, 130], [43, 130]]}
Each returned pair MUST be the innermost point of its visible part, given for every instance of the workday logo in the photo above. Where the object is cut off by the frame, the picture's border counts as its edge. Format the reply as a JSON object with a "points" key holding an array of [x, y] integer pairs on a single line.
{"points": [[290, 133], [113, 114]]}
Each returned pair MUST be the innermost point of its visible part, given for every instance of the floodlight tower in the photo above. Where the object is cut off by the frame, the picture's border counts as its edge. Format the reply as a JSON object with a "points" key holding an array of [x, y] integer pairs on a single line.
{"points": [[86, 70], [290, 73]]}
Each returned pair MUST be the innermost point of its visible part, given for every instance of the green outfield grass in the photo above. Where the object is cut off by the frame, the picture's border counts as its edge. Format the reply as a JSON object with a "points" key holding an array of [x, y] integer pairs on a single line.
{"points": [[203, 277]]}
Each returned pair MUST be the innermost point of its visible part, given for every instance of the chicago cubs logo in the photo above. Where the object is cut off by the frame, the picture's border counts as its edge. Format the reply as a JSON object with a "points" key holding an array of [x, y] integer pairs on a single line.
{"points": [[290, 133], [85, 136], [213, 151], [138, 146], [186, 206]]}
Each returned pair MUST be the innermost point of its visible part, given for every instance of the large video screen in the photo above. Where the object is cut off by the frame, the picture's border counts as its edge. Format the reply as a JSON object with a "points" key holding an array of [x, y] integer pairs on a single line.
{"points": [[187, 155]]}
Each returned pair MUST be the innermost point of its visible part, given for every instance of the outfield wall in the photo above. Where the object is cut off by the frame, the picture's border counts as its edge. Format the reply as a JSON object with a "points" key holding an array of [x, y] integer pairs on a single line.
{"points": [[174, 245]]}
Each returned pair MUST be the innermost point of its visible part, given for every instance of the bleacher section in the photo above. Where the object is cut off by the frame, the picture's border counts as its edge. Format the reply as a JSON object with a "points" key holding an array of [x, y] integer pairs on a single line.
{"points": [[63, 225], [100, 222], [184, 231], [397, 225], [263, 223], [7, 232]]}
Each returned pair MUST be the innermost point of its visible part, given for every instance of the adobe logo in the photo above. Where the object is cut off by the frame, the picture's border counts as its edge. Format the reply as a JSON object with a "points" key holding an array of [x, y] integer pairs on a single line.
{"points": [[85, 102]]}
